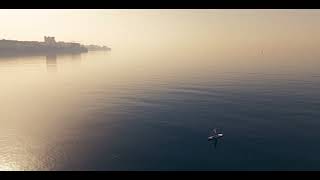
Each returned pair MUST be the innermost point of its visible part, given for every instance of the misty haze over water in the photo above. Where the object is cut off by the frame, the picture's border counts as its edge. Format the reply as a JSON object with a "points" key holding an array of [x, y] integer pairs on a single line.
{"points": [[151, 104]]}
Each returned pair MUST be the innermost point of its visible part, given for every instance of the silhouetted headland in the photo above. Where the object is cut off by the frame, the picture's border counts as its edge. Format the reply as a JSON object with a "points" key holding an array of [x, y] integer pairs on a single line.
{"points": [[48, 46], [97, 48]]}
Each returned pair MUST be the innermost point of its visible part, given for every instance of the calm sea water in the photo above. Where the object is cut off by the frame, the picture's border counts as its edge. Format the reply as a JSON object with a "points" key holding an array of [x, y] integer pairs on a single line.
{"points": [[142, 111]]}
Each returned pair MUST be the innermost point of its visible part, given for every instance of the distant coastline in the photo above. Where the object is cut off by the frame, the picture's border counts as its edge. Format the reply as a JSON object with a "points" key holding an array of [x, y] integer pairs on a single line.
{"points": [[48, 46], [97, 48]]}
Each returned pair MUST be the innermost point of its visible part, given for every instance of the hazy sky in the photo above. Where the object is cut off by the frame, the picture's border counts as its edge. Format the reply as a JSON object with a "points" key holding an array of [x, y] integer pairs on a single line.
{"points": [[166, 28]]}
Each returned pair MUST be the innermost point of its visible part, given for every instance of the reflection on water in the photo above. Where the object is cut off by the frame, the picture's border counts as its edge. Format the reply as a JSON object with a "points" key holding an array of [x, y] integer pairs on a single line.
{"points": [[52, 64], [118, 111], [215, 143], [51, 61]]}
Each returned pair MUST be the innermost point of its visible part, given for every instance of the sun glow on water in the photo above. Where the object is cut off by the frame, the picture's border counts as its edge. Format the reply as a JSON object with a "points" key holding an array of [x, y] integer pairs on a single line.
{"points": [[9, 167]]}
